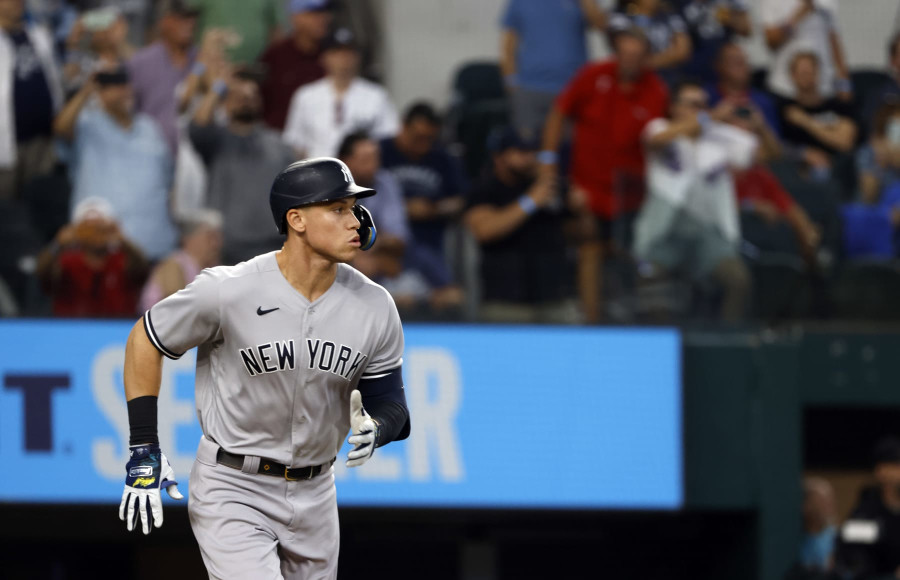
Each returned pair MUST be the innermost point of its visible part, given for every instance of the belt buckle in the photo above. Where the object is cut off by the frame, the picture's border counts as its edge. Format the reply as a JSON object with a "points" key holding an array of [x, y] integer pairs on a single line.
{"points": [[287, 471]]}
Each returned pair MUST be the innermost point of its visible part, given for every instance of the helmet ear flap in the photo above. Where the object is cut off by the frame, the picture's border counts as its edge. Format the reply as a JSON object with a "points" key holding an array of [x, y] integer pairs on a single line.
{"points": [[367, 232]]}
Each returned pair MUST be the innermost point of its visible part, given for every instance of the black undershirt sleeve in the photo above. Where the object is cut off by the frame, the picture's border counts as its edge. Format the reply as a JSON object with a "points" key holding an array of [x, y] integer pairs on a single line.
{"points": [[385, 401]]}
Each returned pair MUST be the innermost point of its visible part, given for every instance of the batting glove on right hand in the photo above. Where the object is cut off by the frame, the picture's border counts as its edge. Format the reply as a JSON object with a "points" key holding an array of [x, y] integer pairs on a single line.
{"points": [[364, 430], [147, 471]]}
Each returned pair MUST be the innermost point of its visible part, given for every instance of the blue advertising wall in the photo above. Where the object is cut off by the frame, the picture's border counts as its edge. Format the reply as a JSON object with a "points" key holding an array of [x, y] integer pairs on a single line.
{"points": [[541, 417]]}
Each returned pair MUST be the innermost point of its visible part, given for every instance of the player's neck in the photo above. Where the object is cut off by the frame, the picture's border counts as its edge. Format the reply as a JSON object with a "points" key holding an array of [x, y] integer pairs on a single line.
{"points": [[310, 274]]}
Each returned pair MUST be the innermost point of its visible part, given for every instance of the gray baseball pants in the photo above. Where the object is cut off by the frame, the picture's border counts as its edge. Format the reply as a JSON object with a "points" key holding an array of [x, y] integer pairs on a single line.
{"points": [[260, 527]]}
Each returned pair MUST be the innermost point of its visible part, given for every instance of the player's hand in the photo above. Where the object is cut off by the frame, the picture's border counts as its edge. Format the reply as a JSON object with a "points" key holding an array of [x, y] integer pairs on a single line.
{"points": [[146, 472], [364, 430]]}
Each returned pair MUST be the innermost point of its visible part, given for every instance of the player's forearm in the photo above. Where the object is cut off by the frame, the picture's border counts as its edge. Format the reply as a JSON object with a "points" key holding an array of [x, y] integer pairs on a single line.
{"points": [[143, 365]]}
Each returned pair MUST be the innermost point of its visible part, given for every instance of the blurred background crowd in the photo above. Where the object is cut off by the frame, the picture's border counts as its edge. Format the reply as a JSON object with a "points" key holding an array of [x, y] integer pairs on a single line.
{"points": [[672, 182]]}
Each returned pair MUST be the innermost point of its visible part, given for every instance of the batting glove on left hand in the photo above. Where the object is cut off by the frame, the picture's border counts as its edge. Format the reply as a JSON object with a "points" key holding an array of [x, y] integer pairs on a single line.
{"points": [[147, 471], [365, 430]]}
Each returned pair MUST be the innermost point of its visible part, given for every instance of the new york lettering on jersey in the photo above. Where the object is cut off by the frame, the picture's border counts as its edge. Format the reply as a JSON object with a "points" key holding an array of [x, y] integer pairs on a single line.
{"points": [[323, 355]]}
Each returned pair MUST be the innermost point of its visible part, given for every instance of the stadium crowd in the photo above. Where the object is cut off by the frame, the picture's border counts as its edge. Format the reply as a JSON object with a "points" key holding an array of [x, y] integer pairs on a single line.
{"points": [[671, 182]]}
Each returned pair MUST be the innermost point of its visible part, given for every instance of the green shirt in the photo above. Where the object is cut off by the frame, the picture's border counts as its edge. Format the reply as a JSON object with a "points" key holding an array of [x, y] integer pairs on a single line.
{"points": [[253, 20]]}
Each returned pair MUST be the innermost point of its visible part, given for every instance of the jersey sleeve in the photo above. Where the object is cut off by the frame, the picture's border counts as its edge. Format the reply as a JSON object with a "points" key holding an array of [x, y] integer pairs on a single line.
{"points": [[388, 355], [188, 318]]}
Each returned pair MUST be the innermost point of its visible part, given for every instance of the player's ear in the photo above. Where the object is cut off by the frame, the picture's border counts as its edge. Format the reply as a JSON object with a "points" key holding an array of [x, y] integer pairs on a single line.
{"points": [[296, 220]]}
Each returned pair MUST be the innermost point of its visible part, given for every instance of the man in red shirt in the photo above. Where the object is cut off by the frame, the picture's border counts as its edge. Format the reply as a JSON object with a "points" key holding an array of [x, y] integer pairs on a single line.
{"points": [[608, 103], [294, 61]]}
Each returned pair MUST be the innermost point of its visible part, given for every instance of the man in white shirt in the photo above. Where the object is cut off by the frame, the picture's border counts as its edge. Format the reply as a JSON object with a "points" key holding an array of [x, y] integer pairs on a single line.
{"points": [[688, 223], [794, 26], [322, 113]]}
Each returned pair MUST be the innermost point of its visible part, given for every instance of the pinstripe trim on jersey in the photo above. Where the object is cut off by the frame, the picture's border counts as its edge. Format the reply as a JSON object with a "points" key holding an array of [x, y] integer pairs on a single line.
{"points": [[151, 334], [385, 373]]}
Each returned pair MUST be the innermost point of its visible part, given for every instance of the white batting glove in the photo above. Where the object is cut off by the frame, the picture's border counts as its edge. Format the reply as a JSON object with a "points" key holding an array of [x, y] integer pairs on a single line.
{"points": [[148, 470], [364, 430]]}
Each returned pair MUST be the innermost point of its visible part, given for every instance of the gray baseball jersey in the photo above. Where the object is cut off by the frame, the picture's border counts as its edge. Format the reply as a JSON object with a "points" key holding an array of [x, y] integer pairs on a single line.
{"points": [[275, 371]]}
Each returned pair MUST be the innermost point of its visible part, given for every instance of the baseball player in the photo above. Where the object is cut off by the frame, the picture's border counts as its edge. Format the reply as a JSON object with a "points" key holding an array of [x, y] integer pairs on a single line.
{"points": [[295, 349]]}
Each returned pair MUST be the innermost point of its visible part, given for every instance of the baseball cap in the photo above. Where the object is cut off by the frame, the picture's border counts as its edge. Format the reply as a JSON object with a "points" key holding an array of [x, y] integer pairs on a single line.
{"points": [[99, 18], [340, 38], [181, 8], [503, 138], [298, 6], [93, 207]]}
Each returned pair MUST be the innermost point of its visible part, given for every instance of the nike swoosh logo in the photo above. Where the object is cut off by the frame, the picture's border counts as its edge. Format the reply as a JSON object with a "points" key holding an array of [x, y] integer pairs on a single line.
{"points": [[260, 311]]}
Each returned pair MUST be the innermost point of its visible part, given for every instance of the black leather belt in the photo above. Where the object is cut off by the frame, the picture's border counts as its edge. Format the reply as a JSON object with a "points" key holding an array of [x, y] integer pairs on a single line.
{"points": [[269, 467]]}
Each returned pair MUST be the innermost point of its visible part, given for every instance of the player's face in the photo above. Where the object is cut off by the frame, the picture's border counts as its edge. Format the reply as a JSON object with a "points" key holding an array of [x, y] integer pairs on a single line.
{"points": [[331, 229]]}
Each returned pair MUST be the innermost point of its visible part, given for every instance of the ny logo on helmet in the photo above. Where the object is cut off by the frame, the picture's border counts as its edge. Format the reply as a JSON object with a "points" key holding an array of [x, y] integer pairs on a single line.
{"points": [[346, 173]]}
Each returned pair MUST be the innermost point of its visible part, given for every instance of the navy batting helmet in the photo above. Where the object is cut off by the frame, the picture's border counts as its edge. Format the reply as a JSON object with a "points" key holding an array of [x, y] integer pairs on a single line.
{"points": [[314, 181]]}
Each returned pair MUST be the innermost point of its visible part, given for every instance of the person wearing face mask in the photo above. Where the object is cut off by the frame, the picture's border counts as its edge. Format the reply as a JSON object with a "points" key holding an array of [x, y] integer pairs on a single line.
{"points": [[242, 157], [516, 217], [868, 545]]}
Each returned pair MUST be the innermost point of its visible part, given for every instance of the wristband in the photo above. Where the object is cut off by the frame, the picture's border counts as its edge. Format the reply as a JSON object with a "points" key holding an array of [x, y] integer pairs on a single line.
{"points": [[220, 87], [527, 204], [547, 157], [142, 420], [198, 69]]}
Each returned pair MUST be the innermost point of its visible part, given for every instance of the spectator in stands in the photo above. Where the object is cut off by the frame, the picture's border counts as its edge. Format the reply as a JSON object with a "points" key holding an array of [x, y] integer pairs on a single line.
{"points": [[294, 61], [818, 127], [732, 83], [689, 223], [609, 104], [888, 92], [543, 47], [158, 69], [793, 26], [432, 183], [98, 39], [414, 273], [872, 222], [243, 157], [760, 194], [819, 529], [322, 113], [712, 24], [251, 25], [386, 258], [122, 157], [200, 248], [91, 269], [869, 543], [666, 32], [878, 162], [31, 93], [516, 217]]}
